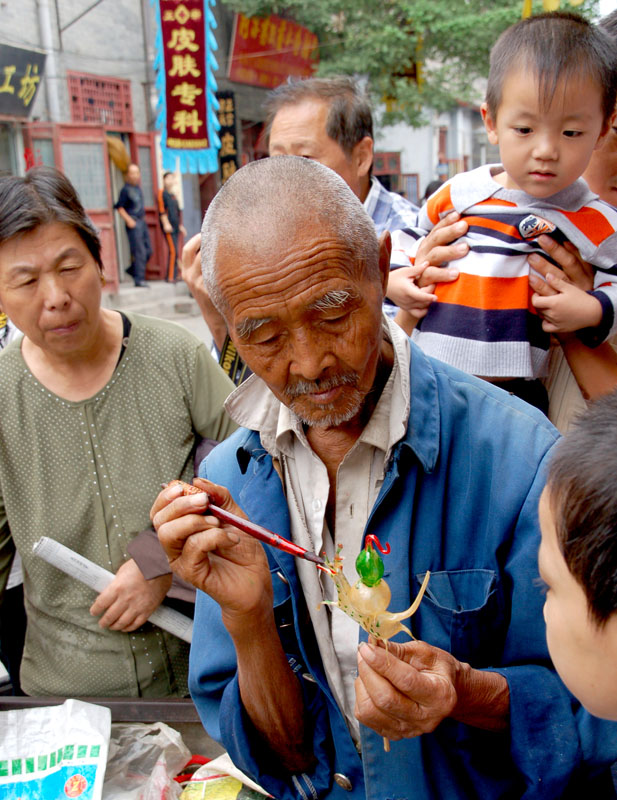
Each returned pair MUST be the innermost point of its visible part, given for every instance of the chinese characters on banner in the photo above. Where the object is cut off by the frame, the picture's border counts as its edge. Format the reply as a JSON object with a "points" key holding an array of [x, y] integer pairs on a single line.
{"points": [[184, 66], [266, 50], [21, 72], [228, 154]]}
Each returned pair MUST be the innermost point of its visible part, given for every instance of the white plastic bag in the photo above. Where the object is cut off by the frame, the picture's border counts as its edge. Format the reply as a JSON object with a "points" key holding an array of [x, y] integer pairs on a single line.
{"points": [[54, 752], [143, 760]]}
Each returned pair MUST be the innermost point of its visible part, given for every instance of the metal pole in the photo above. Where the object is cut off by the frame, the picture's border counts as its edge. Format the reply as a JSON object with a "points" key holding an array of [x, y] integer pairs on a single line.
{"points": [[51, 73]]}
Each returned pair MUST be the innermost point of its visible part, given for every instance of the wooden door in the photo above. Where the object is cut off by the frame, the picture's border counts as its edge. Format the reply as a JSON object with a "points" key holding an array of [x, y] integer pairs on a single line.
{"points": [[143, 153], [82, 156]]}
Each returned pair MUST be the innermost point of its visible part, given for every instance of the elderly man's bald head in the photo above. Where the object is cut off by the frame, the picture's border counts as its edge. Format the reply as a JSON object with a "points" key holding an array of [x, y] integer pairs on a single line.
{"points": [[267, 201]]}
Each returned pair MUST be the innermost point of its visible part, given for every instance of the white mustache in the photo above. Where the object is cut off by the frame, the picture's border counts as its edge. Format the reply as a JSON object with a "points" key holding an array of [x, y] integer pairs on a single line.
{"points": [[313, 387]]}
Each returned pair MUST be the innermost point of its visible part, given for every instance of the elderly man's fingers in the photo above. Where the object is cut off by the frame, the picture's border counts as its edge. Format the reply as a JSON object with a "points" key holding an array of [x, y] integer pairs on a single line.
{"points": [[418, 670], [165, 497], [190, 251], [415, 699], [219, 496], [178, 507], [178, 535], [393, 720]]}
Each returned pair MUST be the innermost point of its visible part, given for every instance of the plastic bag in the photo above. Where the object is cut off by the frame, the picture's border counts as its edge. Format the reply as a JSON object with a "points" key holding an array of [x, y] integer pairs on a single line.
{"points": [[142, 762], [220, 779], [54, 752]]}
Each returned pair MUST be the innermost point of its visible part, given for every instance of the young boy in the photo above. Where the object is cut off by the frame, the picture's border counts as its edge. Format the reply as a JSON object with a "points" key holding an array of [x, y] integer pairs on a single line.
{"points": [[578, 559], [550, 98]]}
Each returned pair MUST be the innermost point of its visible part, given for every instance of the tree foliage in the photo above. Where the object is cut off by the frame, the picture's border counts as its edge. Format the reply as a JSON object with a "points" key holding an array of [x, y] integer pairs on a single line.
{"points": [[384, 40]]}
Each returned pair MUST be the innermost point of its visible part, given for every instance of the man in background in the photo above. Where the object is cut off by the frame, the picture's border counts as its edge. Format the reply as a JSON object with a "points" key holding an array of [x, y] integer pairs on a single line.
{"points": [[330, 121], [171, 223], [131, 208]]}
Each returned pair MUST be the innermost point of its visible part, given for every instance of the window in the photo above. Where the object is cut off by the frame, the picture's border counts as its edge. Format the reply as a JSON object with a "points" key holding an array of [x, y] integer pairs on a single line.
{"points": [[84, 165], [7, 152], [44, 152], [104, 100]]}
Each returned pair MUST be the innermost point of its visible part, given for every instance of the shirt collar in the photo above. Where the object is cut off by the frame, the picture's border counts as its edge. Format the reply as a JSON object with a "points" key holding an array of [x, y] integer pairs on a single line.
{"points": [[372, 198]]}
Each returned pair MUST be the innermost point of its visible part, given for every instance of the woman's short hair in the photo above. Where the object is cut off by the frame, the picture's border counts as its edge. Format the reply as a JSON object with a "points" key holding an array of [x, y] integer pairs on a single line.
{"points": [[44, 196]]}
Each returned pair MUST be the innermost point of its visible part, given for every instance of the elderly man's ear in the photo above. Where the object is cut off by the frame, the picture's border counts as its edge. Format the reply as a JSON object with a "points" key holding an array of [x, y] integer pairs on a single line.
{"points": [[385, 249], [363, 156]]}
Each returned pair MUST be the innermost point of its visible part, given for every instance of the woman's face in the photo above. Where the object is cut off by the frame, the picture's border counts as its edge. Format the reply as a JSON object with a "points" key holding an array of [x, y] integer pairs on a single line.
{"points": [[50, 287]]}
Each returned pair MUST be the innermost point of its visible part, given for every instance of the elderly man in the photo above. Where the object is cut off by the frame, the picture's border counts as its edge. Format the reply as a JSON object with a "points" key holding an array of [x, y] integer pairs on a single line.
{"points": [[348, 429]]}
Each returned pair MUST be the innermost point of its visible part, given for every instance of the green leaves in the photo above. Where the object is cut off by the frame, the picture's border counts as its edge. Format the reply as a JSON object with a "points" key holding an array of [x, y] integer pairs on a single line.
{"points": [[383, 40]]}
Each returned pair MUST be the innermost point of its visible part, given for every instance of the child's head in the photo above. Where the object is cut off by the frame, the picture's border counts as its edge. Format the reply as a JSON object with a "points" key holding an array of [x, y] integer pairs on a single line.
{"points": [[551, 94], [578, 558]]}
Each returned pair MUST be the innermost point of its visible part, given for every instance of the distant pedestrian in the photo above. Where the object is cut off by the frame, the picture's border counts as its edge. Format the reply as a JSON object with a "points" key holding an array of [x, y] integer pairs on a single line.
{"points": [[171, 223], [431, 188], [131, 208]]}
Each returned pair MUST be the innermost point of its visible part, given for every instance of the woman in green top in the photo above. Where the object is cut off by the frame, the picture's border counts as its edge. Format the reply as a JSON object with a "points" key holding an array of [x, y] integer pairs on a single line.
{"points": [[98, 408]]}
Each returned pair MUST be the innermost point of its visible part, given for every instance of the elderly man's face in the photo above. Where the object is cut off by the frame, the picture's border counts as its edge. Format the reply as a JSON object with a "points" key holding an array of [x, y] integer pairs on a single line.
{"points": [[300, 130], [305, 324]]}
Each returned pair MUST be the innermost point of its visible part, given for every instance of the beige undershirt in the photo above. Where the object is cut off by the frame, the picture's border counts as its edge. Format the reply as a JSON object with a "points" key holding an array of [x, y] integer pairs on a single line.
{"points": [[359, 480]]}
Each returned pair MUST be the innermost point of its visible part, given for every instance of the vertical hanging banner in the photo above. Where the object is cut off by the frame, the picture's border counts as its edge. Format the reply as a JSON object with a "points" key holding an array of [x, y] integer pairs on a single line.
{"points": [[228, 154], [185, 83]]}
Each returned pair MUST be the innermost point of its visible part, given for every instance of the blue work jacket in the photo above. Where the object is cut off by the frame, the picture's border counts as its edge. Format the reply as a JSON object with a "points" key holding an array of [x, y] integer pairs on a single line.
{"points": [[460, 499]]}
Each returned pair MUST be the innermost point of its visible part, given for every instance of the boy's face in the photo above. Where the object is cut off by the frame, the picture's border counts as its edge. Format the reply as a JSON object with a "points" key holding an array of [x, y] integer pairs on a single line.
{"points": [[545, 150], [584, 655]]}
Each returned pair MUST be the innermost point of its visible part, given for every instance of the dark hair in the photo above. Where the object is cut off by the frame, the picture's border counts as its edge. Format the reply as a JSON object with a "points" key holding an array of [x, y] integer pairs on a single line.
{"points": [[557, 45], [583, 498], [165, 174], [349, 119], [44, 196], [609, 24], [431, 188]]}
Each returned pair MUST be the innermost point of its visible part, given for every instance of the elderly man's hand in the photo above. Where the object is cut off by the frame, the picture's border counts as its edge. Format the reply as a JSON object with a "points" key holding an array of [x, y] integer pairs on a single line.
{"points": [[217, 558], [129, 599], [190, 266], [411, 688], [190, 269]]}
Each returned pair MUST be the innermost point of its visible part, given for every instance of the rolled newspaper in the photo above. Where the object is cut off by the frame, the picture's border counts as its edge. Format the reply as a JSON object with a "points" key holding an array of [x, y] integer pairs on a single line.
{"points": [[97, 578]]}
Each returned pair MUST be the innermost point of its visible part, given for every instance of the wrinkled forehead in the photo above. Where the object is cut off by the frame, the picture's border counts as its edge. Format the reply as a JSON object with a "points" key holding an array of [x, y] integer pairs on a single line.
{"points": [[283, 269]]}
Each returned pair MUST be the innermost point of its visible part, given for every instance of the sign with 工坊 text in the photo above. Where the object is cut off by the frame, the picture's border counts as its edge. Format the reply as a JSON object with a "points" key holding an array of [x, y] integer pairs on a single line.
{"points": [[21, 72]]}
